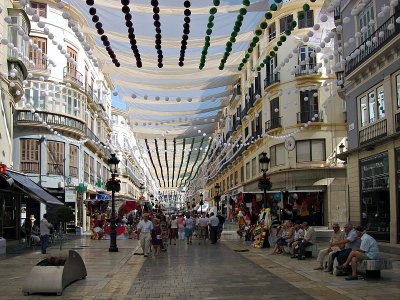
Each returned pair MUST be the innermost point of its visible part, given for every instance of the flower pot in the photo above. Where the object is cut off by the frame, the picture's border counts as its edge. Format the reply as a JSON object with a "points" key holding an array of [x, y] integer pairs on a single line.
{"points": [[47, 278]]}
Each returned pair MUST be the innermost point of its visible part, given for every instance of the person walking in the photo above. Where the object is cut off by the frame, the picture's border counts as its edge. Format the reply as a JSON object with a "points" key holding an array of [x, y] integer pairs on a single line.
{"points": [[173, 231], [181, 227], [156, 237], [203, 224], [164, 232], [145, 227], [189, 229], [45, 227], [221, 219], [213, 222]]}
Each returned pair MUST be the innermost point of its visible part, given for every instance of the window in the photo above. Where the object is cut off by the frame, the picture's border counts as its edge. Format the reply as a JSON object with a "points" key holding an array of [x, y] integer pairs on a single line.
{"points": [[285, 23], [398, 90], [40, 9], [71, 68], [236, 178], [310, 150], [271, 32], [246, 132], [37, 59], [308, 106], [241, 174], [307, 21], [73, 161], [86, 167], [372, 106], [277, 153], [363, 21], [30, 156], [253, 167], [105, 175], [274, 105], [92, 170], [55, 158], [270, 67], [98, 172], [307, 59], [248, 171]]}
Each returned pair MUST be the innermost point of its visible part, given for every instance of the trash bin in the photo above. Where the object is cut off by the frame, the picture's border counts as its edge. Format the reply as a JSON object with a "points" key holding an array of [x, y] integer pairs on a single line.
{"points": [[3, 244], [78, 230]]}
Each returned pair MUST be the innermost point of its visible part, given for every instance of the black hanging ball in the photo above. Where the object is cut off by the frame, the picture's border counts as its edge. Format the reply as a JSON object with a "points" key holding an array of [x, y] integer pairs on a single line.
{"points": [[132, 42], [156, 17], [104, 38], [181, 64], [158, 36], [128, 17], [157, 47], [156, 10], [106, 43], [114, 60], [95, 18], [157, 24], [90, 2], [131, 30], [139, 64], [128, 23], [187, 12], [118, 64], [160, 65], [159, 52], [92, 11], [125, 9], [158, 30], [108, 49], [158, 42], [186, 25], [186, 31], [100, 31], [183, 47], [98, 25], [154, 2], [131, 36], [186, 4], [187, 20], [125, 2], [184, 42], [185, 37]]}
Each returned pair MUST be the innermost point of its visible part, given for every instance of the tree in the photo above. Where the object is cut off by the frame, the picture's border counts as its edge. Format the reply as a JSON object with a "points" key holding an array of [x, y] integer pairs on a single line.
{"points": [[64, 214]]}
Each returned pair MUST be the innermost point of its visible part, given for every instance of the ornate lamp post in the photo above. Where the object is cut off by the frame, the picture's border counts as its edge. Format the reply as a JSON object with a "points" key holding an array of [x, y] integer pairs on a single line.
{"points": [[201, 203], [113, 162], [264, 182], [217, 190]]}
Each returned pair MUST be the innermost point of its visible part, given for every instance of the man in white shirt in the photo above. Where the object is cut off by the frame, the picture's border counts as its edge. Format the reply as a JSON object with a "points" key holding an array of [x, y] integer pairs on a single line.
{"points": [[45, 227], [308, 240], [203, 223], [145, 227], [213, 222]]}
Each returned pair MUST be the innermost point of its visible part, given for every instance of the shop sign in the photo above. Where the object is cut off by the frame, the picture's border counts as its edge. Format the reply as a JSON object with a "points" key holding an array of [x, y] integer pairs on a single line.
{"points": [[3, 168]]}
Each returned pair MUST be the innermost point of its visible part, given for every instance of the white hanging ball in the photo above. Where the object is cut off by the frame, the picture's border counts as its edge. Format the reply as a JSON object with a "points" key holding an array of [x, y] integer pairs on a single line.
{"points": [[68, 84], [322, 45], [339, 28], [316, 27], [18, 92], [8, 19], [115, 93], [306, 39], [12, 84], [327, 39], [63, 51], [60, 5], [276, 109], [381, 34], [41, 78], [35, 18], [371, 22], [318, 49], [310, 33], [199, 131], [364, 29], [66, 15], [357, 34], [394, 3], [257, 96], [30, 75], [166, 98], [323, 18], [44, 123], [59, 47], [41, 24], [351, 40], [390, 26], [178, 99], [346, 20], [315, 95], [306, 125], [305, 99], [32, 110], [25, 82]]}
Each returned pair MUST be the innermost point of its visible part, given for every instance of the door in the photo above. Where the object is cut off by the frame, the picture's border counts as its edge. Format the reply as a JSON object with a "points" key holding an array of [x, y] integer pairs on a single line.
{"points": [[71, 69]]}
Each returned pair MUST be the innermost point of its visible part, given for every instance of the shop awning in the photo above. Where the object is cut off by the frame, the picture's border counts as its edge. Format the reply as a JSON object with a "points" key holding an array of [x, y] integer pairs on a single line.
{"points": [[324, 181], [34, 190]]}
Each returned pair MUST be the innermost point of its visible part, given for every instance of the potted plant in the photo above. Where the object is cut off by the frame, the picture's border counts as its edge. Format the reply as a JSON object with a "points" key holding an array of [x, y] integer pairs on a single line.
{"points": [[53, 274]]}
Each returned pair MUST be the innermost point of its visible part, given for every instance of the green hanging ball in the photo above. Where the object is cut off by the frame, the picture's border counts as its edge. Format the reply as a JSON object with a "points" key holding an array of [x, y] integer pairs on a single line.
{"points": [[216, 2], [263, 25], [229, 44], [247, 56], [243, 11], [238, 24], [209, 31], [239, 69], [250, 50], [272, 54], [240, 18], [207, 44], [306, 7], [258, 32], [262, 65], [201, 67], [246, 2], [258, 69], [252, 44], [232, 39], [273, 7], [268, 15], [300, 15], [276, 48], [279, 43], [234, 34], [278, 1], [211, 18], [213, 10], [221, 67], [288, 32], [293, 24], [207, 38], [256, 39], [268, 58], [236, 28], [283, 38], [210, 25]]}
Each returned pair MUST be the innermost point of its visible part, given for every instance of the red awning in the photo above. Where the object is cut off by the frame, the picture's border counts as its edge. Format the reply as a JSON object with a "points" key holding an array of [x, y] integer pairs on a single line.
{"points": [[129, 206]]}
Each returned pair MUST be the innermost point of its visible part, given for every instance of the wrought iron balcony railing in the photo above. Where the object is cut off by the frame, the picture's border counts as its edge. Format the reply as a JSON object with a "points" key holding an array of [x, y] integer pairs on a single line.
{"points": [[273, 123], [271, 79], [373, 132], [71, 74], [305, 116], [307, 69]]}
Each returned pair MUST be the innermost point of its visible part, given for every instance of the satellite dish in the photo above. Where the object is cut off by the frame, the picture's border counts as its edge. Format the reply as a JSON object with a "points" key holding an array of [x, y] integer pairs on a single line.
{"points": [[290, 143]]}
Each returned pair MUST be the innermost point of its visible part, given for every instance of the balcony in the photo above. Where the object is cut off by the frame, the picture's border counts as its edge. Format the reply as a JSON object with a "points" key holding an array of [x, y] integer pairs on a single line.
{"points": [[271, 79], [90, 134], [273, 123], [72, 76], [56, 169], [236, 94], [307, 69], [305, 116], [39, 65], [373, 132], [89, 91], [374, 42], [30, 167], [25, 117], [73, 171]]}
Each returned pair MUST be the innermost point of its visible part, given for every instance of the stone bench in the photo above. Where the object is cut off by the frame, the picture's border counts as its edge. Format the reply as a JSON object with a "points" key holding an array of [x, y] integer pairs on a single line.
{"points": [[311, 251], [371, 267]]}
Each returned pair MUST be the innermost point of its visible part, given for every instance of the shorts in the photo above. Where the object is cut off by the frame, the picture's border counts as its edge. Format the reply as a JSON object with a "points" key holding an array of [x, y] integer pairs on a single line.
{"points": [[173, 233], [361, 256], [188, 232]]}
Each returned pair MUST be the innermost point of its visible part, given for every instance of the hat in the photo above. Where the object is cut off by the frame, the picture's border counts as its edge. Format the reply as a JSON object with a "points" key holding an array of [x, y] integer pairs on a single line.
{"points": [[32, 217], [360, 228]]}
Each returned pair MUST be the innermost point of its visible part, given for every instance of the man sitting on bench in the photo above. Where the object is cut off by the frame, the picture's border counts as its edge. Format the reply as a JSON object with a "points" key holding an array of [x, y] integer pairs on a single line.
{"points": [[368, 250]]}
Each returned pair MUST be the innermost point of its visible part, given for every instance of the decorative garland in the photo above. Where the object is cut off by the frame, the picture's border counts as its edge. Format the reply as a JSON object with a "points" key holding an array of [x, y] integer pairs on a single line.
{"points": [[159, 161], [187, 161], [166, 160], [152, 162], [186, 31], [157, 25], [131, 35], [202, 162], [173, 163], [100, 31], [180, 167], [195, 162], [236, 30], [207, 38]]}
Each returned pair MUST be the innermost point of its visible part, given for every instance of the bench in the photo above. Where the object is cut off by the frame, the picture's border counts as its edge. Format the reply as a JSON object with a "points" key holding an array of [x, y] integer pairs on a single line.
{"points": [[311, 251], [371, 267]]}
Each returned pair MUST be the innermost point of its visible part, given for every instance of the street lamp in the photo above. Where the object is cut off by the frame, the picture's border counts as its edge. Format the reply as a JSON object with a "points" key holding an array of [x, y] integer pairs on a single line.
{"points": [[264, 160], [201, 203], [217, 190], [113, 162]]}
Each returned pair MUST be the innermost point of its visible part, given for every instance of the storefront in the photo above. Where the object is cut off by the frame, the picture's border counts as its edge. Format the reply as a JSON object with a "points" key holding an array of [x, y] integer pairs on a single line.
{"points": [[375, 196]]}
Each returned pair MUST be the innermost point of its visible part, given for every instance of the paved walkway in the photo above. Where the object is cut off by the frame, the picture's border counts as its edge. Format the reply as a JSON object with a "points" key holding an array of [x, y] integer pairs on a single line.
{"points": [[228, 270]]}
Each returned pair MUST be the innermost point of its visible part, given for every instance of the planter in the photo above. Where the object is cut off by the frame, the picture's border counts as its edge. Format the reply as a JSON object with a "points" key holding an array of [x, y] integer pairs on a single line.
{"points": [[47, 278]]}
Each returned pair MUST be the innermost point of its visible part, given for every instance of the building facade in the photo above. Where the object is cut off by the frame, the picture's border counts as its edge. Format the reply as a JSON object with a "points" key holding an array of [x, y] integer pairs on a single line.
{"points": [[370, 46], [62, 125], [294, 115]]}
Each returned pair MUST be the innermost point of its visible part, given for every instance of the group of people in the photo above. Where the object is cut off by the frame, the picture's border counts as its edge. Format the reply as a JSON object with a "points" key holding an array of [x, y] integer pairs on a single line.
{"points": [[154, 231], [38, 234], [349, 247]]}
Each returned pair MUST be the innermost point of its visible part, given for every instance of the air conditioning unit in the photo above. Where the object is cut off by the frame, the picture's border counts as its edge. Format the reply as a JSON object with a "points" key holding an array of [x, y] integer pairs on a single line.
{"points": [[61, 185]]}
